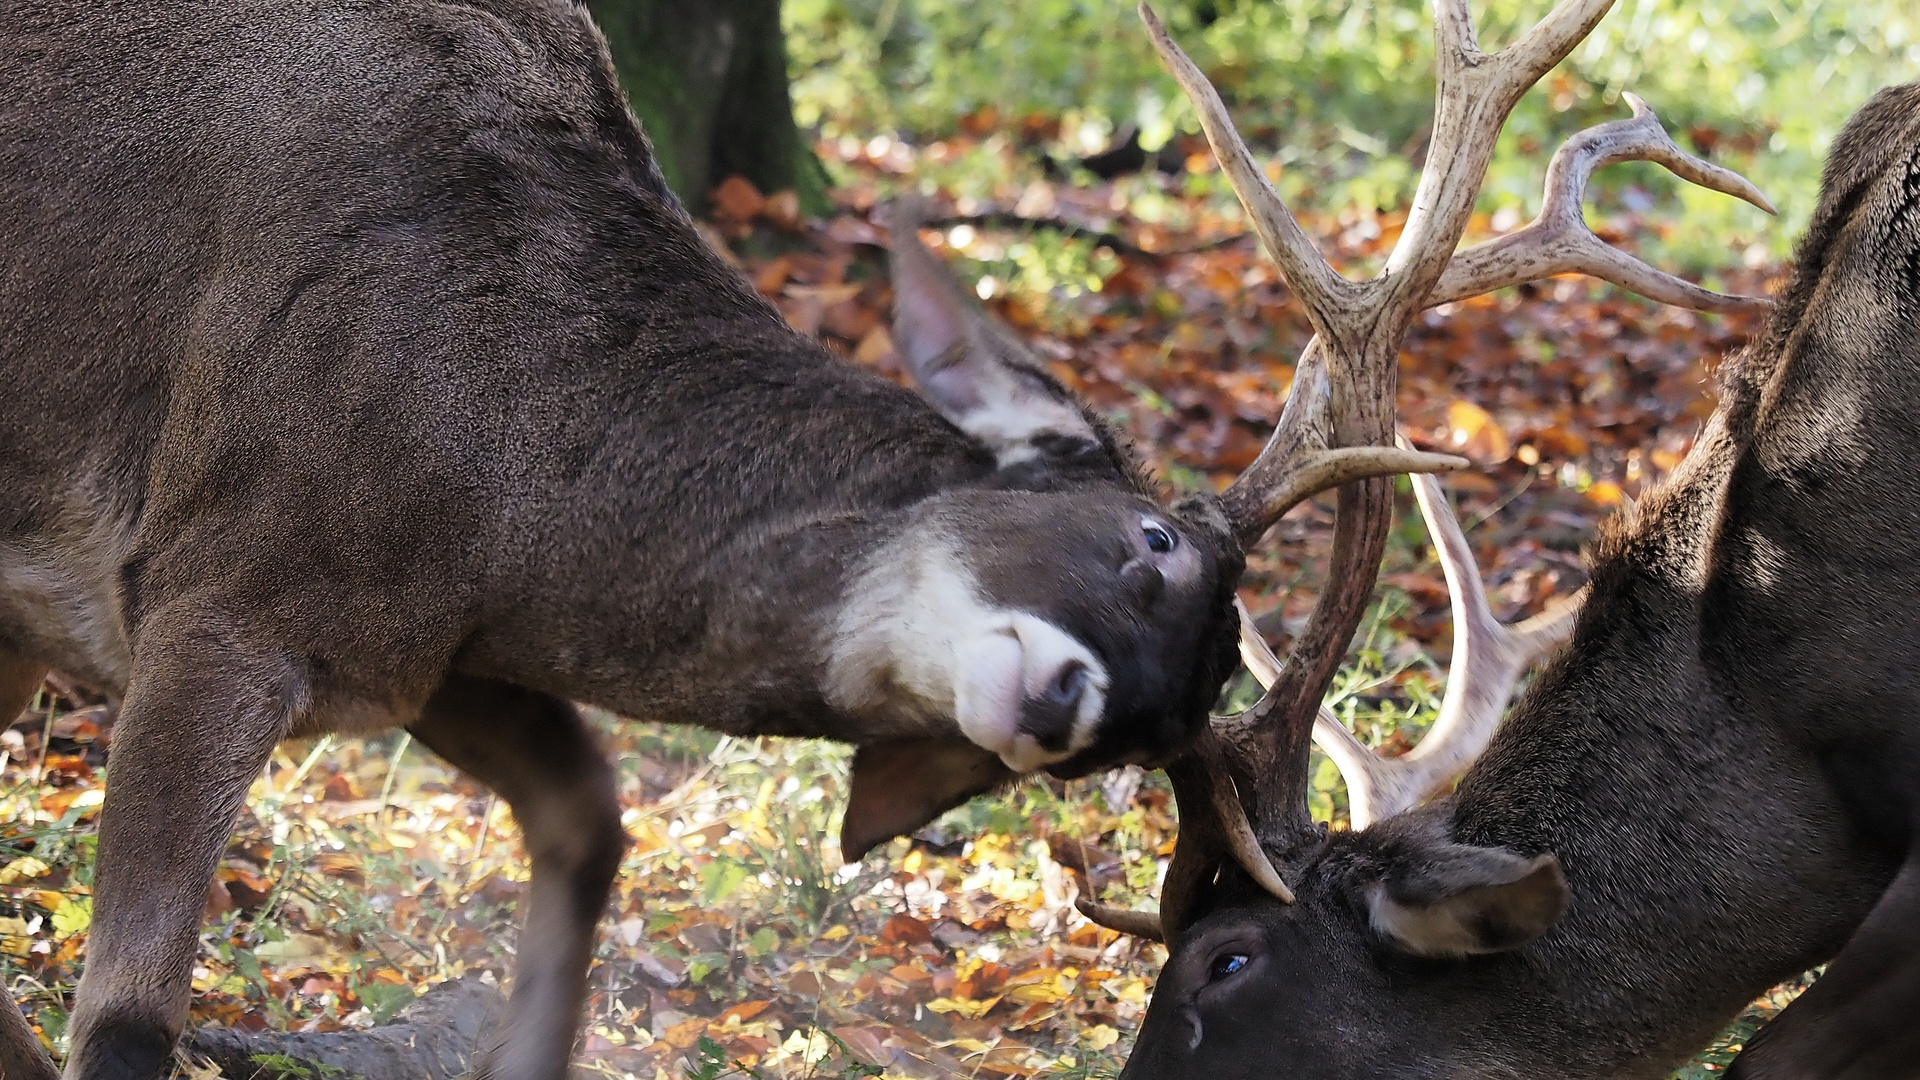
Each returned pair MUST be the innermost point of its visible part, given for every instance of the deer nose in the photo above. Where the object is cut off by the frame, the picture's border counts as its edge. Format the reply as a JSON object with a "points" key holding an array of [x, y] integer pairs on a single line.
{"points": [[1048, 717]]}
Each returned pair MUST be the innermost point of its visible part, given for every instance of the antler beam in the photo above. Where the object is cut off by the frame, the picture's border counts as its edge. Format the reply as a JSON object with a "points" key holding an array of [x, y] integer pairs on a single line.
{"points": [[1488, 659]]}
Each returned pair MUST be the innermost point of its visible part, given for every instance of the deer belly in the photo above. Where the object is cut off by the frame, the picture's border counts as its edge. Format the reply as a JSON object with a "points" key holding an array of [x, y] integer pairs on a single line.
{"points": [[58, 606]]}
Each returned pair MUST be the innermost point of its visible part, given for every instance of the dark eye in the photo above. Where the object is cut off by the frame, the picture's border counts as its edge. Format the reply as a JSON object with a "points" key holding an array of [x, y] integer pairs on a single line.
{"points": [[1226, 964], [1160, 539]]}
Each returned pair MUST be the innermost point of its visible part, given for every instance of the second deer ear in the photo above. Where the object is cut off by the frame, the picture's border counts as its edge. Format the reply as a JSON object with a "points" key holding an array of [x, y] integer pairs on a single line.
{"points": [[1446, 899], [973, 369]]}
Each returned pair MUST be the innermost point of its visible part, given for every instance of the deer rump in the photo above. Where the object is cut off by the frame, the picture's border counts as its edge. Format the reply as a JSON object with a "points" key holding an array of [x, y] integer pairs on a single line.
{"points": [[361, 371], [1708, 791]]}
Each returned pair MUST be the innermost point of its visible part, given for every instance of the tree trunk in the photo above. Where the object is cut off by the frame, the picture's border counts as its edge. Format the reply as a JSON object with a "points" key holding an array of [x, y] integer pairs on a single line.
{"points": [[708, 79]]}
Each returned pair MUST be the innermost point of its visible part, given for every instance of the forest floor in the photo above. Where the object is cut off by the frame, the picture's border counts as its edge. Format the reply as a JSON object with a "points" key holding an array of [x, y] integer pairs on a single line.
{"points": [[364, 871]]}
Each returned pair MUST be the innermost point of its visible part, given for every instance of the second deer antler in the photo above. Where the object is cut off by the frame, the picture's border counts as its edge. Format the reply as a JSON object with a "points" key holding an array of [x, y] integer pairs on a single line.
{"points": [[1243, 788]]}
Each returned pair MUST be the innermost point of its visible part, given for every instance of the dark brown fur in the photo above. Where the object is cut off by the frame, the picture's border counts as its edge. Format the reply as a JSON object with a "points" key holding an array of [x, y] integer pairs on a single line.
{"points": [[361, 371], [1723, 759]]}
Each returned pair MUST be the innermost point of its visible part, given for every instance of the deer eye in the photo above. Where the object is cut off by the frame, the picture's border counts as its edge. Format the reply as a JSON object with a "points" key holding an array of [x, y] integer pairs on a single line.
{"points": [[1226, 965], [1160, 539]]}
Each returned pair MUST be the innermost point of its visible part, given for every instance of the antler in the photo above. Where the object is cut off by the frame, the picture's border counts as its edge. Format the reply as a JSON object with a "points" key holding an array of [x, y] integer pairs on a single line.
{"points": [[1559, 242], [1488, 659], [1243, 789]]}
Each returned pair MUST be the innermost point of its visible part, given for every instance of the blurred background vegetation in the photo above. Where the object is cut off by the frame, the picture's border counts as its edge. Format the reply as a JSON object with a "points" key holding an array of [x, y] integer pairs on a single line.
{"points": [[1340, 94]]}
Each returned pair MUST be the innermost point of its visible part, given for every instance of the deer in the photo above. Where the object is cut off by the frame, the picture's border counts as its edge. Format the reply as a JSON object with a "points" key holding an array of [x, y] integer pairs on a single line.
{"points": [[363, 373], [1705, 791]]}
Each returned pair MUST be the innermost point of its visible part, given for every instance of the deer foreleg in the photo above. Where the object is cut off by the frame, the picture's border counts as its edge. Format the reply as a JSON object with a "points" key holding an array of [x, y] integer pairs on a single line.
{"points": [[201, 716], [537, 753]]}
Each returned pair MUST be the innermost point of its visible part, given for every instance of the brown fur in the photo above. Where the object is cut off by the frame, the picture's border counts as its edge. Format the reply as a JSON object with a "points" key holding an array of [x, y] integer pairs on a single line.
{"points": [[361, 371]]}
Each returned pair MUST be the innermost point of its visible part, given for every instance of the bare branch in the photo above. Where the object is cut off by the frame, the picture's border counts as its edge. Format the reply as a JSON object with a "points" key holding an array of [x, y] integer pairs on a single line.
{"points": [[1320, 288], [1559, 241]]}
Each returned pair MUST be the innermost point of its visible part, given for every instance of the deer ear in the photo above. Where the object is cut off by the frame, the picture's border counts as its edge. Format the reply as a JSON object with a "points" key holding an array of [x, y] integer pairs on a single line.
{"points": [[974, 370], [1464, 900], [901, 785]]}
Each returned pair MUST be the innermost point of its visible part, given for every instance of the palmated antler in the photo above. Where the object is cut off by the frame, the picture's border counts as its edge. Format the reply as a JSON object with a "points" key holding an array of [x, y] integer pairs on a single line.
{"points": [[1243, 788]]}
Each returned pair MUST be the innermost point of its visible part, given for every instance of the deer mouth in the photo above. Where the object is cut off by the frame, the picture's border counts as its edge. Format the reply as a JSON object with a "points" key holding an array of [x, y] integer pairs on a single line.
{"points": [[1029, 692]]}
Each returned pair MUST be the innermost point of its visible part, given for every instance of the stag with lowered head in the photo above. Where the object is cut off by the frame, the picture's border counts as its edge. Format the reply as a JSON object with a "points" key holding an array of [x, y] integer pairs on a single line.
{"points": [[361, 371], [1707, 791]]}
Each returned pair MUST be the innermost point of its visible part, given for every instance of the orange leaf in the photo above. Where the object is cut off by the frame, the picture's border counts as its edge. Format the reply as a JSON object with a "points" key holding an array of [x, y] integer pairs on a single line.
{"points": [[746, 1010], [905, 929], [737, 199]]}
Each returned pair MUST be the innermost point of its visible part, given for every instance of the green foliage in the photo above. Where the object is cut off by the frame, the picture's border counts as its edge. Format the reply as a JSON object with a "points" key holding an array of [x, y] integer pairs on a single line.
{"points": [[1340, 94], [711, 1063], [284, 1066]]}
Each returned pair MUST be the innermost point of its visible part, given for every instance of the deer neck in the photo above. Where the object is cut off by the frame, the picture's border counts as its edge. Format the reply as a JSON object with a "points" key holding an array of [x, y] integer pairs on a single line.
{"points": [[707, 589], [1651, 758]]}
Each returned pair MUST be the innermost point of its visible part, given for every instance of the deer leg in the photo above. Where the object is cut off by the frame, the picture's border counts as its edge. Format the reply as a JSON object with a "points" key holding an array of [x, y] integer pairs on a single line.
{"points": [[21, 1057], [1857, 1021], [201, 716], [536, 752]]}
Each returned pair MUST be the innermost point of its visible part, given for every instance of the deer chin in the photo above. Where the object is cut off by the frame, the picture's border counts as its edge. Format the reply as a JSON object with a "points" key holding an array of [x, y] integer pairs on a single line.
{"points": [[1028, 691]]}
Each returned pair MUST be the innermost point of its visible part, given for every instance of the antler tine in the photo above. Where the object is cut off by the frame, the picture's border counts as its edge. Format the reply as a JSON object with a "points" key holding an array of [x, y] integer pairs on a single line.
{"points": [[1296, 464], [1476, 93], [1144, 924], [1559, 241], [1488, 659], [1312, 278]]}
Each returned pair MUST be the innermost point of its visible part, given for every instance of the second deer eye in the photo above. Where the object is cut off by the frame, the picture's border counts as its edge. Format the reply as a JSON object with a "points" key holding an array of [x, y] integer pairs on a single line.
{"points": [[1160, 539], [1226, 965]]}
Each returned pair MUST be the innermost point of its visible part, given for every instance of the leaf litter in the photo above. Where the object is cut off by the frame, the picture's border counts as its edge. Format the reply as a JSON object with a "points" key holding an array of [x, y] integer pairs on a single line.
{"points": [[737, 943]]}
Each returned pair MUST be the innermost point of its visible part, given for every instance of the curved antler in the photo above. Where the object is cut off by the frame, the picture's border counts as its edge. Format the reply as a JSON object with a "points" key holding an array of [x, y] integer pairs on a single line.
{"points": [[1243, 788], [1489, 657], [1559, 242]]}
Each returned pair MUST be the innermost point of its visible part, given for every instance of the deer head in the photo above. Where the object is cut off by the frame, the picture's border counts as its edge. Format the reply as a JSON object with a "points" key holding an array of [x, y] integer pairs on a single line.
{"points": [[1229, 909]]}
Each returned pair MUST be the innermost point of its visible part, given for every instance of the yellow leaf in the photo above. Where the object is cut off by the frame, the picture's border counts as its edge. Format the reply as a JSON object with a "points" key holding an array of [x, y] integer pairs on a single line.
{"points": [[1036, 994], [22, 869], [1100, 1036], [972, 1010], [1476, 433], [1606, 493]]}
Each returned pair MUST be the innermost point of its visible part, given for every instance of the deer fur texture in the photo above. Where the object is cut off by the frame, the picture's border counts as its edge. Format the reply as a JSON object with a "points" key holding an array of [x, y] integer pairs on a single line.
{"points": [[1722, 763], [361, 371]]}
